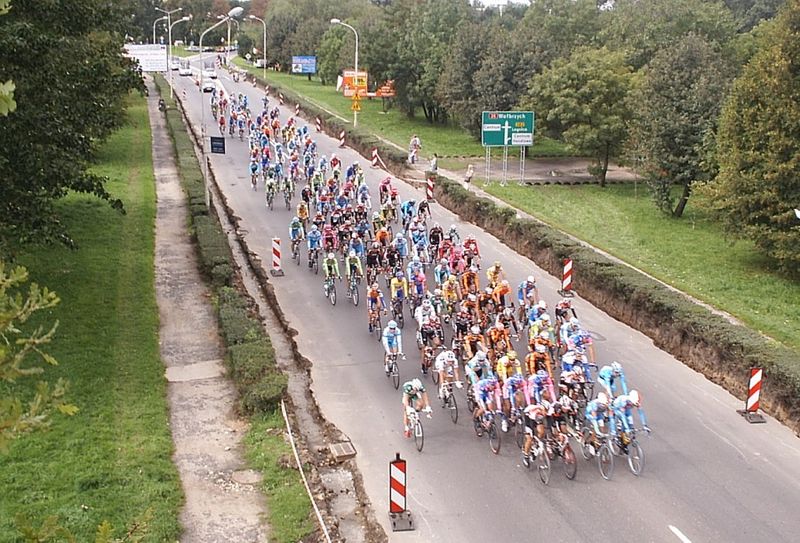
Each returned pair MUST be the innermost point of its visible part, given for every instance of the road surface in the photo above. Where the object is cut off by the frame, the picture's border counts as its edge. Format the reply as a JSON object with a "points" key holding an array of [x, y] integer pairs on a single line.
{"points": [[709, 476]]}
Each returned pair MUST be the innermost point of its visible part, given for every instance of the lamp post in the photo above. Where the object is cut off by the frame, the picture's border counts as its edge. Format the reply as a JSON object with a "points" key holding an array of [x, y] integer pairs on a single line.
{"points": [[154, 27], [169, 54], [355, 79], [235, 12], [264, 51]]}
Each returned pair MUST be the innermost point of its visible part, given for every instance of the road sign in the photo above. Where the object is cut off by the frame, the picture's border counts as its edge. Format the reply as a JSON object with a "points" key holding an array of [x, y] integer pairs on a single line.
{"points": [[304, 65], [151, 58], [218, 145], [356, 106], [507, 128]]}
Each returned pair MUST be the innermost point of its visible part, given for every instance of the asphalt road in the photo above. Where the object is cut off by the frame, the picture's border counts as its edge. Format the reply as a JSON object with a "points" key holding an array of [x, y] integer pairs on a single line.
{"points": [[710, 476]]}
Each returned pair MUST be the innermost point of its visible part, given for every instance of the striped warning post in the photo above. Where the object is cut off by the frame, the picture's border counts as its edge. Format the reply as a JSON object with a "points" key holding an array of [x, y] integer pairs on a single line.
{"points": [[280, 98], [397, 485], [429, 186], [341, 138], [754, 389], [266, 89], [375, 157], [297, 110], [276, 257], [566, 278], [318, 124]]}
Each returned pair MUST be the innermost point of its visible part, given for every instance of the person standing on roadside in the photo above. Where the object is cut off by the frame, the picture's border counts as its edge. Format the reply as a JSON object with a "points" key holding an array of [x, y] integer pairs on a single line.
{"points": [[435, 163], [413, 149], [469, 174]]}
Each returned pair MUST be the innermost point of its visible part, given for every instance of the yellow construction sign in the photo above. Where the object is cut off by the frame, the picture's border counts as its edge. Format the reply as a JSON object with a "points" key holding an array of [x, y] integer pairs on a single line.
{"points": [[356, 105]]}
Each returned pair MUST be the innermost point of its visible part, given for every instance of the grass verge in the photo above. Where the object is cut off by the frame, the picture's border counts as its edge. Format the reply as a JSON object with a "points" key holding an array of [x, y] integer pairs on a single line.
{"points": [[692, 254], [269, 452], [392, 125], [250, 356], [111, 461]]}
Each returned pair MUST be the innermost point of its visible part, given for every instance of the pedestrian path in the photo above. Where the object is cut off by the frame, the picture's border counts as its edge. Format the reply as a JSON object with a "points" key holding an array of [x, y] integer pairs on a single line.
{"points": [[222, 503]]}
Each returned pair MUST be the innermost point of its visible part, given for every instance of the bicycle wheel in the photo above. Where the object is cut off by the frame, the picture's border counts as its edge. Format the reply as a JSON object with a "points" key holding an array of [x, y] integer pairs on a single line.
{"points": [[452, 405], [635, 458], [395, 371], [586, 446], [494, 438], [400, 320], [332, 294], [519, 432], [315, 265], [605, 461], [570, 462], [543, 466], [355, 296], [377, 329], [434, 374], [419, 435]]}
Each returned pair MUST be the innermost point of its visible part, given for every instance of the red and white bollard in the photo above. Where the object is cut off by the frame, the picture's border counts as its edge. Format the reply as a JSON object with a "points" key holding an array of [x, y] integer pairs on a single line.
{"points": [[429, 186], [318, 124], [280, 98], [276, 270], [751, 404], [398, 514], [375, 157], [266, 89], [341, 138], [297, 110], [566, 279]]}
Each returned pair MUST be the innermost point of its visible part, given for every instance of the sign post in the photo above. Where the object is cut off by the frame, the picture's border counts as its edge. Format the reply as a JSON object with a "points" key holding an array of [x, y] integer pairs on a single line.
{"points": [[399, 515], [507, 129]]}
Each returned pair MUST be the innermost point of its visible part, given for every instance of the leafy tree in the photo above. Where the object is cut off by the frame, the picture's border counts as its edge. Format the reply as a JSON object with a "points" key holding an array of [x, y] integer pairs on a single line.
{"points": [[641, 28], [758, 185], [68, 99], [583, 99], [676, 109], [329, 54], [7, 103], [455, 87], [749, 13], [16, 347]]}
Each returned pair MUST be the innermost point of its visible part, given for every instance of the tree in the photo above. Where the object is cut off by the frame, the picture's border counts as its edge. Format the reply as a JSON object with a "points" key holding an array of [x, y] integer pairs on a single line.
{"points": [[16, 347], [676, 110], [749, 13], [758, 185], [583, 99], [455, 87], [7, 103], [71, 85]]}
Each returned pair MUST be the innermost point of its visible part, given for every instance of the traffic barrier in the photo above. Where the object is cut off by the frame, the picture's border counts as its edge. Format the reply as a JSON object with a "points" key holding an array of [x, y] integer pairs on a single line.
{"points": [[276, 270], [280, 98], [266, 89], [751, 404], [297, 110], [398, 513], [318, 124], [341, 138], [375, 157], [566, 279], [429, 186]]}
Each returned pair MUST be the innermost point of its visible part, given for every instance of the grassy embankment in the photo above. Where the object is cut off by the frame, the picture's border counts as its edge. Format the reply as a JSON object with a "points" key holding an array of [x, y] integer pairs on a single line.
{"points": [[111, 461], [691, 254]]}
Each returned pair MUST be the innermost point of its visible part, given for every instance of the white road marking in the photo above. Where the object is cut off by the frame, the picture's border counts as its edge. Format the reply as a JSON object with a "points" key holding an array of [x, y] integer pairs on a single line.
{"points": [[679, 534], [723, 438]]}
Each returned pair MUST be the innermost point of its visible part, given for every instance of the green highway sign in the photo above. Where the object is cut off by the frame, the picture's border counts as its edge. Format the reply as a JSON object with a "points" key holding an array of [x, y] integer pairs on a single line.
{"points": [[505, 128]]}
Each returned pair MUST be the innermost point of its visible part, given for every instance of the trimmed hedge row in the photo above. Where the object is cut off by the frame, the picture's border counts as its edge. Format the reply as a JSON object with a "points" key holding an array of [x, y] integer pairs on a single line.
{"points": [[706, 342], [250, 357]]}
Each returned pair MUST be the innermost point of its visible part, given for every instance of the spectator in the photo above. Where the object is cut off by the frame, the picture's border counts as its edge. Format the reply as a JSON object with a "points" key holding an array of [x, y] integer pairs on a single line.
{"points": [[469, 174]]}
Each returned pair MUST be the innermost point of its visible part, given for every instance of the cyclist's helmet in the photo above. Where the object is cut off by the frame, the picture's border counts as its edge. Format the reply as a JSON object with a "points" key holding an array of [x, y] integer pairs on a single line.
{"points": [[392, 325], [616, 367], [500, 326], [512, 355], [435, 225], [602, 398], [545, 317], [398, 236], [352, 253], [544, 335], [426, 305], [541, 374], [415, 260], [399, 275], [314, 228], [496, 263], [472, 298], [451, 356], [376, 245], [295, 219], [508, 312], [443, 262], [531, 279], [504, 283], [543, 305], [634, 398], [375, 286], [481, 356], [488, 290], [416, 384], [475, 330], [473, 268], [331, 256], [437, 292], [575, 322]]}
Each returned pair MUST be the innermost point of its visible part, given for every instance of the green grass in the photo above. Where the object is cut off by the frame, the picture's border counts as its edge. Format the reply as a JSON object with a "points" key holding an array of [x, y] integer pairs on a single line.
{"points": [[111, 461], [691, 253], [392, 125], [288, 502], [182, 52]]}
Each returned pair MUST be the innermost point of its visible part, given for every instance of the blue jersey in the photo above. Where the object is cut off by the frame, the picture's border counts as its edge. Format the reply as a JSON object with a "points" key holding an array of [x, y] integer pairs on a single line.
{"points": [[623, 410], [314, 239], [392, 339], [523, 291], [595, 412], [607, 378]]}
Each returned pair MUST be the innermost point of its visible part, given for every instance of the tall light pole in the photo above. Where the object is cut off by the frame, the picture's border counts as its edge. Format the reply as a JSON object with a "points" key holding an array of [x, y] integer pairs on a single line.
{"points": [[355, 79], [264, 51], [164, 18], [235, 12], [169, 54]]}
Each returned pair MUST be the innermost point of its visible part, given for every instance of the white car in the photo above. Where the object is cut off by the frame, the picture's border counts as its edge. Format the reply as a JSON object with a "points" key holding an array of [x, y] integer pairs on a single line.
{"points": [[185, 69], [209, 85], [209, 73], [175, 64]]}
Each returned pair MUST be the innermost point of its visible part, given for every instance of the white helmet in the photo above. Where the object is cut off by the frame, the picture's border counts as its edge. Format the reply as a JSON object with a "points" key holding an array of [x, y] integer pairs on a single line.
{"points": [[602, 398], [416, 384], [481, 356], [352, 253], [331, 256], [545, 317], [634, 398], [616, 367], [575, 322], [437, 292], [475, 330], [426, 304], [531, 279], [451, 357]]}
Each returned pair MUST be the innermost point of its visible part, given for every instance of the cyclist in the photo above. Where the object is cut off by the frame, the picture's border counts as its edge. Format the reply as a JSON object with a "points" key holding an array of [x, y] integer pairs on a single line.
{"points": [[374, 298], [447, 366], [472, 253], [414, 267], [401, 244], [374, 260], [487, 396], [515, 384], [441, 272], [478, 367], [296, 232], [507, 366], [329, 239], [495, 274], [535, 417], [435, 235], [314, 241], [539, 383], [392, 343], [352, 265], [399, 286], [525, 289], [407, 211], [596, 412], [474, 342], [499, 293], [470, 282], [414, 399], [608, 376], [622, 408], [331, 267]]}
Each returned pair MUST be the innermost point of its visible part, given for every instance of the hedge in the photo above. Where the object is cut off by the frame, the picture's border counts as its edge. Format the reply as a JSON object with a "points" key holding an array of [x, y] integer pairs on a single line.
{"points": [[250, 357], [705, 341]]}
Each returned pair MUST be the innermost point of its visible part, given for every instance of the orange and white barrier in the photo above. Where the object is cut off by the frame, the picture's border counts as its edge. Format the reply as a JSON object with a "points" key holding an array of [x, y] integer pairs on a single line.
{"points": [[276, 257], [341, 138], [566, 278], [318, 124], [753, 401], [398, 513]]}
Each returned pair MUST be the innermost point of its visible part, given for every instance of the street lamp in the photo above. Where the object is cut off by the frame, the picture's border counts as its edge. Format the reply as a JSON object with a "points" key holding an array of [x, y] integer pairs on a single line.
{"points": [[168, 16], [164, 18], [264, 52], [235, 12], [355, 79], [169, 54]]}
